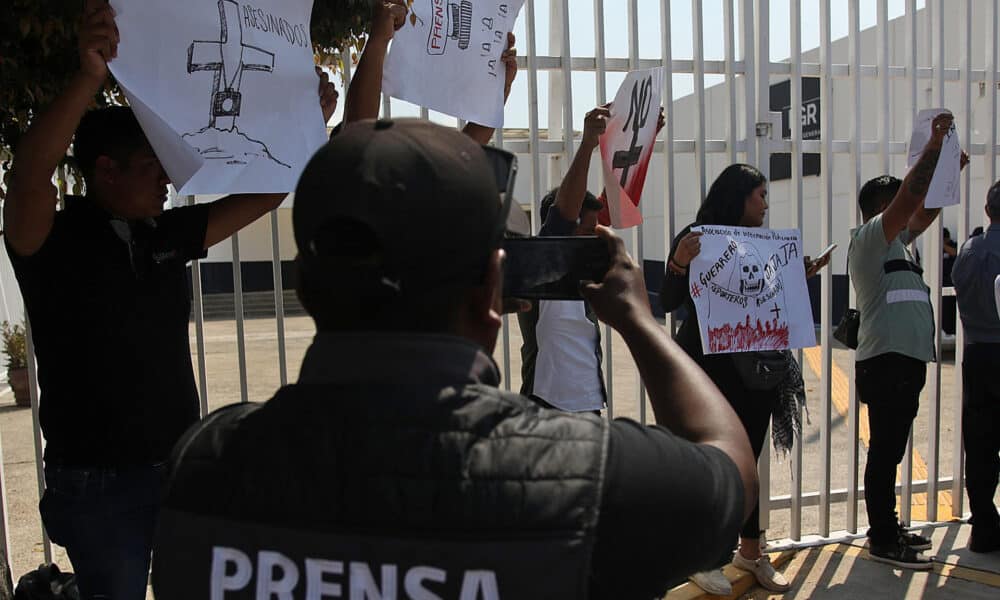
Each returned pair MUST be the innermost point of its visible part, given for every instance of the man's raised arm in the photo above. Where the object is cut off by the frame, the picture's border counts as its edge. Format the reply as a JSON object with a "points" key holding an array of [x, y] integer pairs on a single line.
{"points": [[364, 97], [31, 202], [573, 189]]}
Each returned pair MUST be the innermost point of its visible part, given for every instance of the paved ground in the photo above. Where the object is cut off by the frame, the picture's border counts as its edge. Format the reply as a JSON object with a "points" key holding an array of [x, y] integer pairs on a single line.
{"points": [[263, 378], [846, 571]]}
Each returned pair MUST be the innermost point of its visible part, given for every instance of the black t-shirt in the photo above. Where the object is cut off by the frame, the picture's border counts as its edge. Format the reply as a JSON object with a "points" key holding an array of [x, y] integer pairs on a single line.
{"points": [[109, 309], [670, 507]]}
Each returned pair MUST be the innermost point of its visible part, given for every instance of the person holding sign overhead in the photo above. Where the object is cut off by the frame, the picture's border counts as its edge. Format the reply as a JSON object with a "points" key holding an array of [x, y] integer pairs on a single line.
{"points": [[105, 287], [364, 96], [738, 197], [895, 337]]}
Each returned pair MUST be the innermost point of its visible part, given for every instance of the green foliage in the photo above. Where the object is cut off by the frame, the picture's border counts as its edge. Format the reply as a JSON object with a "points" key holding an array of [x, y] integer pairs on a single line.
{"points": [[38, 55], [15, 345]]}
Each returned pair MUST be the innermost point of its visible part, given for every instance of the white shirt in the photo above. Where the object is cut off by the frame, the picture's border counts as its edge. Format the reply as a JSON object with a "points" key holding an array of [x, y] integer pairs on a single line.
{"points": [[567, 372]]}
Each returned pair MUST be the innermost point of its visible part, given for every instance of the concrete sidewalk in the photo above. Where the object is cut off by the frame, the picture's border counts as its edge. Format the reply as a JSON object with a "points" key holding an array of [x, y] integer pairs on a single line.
{"points": [[846, 572]]}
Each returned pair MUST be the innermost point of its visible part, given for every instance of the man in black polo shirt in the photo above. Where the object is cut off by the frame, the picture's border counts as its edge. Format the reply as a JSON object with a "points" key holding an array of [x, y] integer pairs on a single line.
{"points": [[105, 286], [396, 463]]}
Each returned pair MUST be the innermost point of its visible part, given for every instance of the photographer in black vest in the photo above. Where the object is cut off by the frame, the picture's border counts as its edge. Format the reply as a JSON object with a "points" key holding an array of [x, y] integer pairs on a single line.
{"points": [[395, 467]]}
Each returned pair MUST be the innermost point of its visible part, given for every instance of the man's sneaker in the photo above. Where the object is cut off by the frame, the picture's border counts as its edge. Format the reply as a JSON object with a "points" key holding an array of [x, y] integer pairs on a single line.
{"points": [[914, 540], [898, 554], [713, 582], [761, 568]]}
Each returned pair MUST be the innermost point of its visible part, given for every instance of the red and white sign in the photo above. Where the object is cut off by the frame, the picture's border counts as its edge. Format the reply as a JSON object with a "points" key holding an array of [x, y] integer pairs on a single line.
{"points": [[627, 146]]}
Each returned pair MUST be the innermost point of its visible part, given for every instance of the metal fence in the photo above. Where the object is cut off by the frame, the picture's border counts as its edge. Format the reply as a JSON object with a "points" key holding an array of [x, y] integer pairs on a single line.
{"points": [[746, 71]]}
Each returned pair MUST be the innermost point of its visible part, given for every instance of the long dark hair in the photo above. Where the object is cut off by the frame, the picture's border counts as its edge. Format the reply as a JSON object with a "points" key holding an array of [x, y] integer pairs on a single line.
{"points": [[727, 197]]}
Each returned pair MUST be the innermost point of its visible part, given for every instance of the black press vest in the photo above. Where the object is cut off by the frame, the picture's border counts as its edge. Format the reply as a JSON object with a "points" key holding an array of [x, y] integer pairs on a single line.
{"points": [[388, 491]]}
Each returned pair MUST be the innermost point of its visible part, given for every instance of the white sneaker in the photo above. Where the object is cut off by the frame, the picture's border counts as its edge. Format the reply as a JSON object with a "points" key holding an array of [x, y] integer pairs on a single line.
{"points": [[761, 568], [713, 582]]}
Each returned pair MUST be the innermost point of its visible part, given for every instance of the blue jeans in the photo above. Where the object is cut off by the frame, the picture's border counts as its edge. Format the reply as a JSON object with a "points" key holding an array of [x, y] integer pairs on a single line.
{"points": [[104, 517]]}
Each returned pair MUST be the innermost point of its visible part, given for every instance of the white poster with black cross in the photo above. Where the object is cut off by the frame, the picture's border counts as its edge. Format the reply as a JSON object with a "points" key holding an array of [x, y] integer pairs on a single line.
{"points": [[749, 290], [225, 90]]}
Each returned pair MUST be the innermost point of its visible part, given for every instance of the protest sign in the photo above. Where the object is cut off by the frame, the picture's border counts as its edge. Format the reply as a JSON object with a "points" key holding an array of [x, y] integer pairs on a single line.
{"points": [[225, 90], [627, 144], [749, 289], [945, 185], [447, 57]]}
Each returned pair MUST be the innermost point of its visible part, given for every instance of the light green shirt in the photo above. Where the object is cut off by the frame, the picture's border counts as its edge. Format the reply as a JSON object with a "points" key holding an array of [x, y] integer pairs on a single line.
{"points": [[896, 314]]}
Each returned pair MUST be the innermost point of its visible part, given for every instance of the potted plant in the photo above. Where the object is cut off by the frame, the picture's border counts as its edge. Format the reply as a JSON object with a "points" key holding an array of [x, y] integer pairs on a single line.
{"points": [[15, 351]]}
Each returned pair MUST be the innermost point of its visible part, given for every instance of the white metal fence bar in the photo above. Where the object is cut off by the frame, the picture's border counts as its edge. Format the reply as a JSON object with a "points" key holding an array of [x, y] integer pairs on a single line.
{"points": [[639, 237], [826, 275], [854, 408], [795, 124], [241, 343], [934, 261], [601, 90], [764, 148], [991, 69], [958, 453], [279, 296], [532, 60], [669, 207], [198, 310], [729, 24], [698, 47], [749, 84], [911, 51]]}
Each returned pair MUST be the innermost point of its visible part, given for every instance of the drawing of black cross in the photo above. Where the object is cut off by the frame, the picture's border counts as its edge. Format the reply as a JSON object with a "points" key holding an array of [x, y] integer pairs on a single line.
{"points": [[638, 113], [777, 312], [228, 58]]}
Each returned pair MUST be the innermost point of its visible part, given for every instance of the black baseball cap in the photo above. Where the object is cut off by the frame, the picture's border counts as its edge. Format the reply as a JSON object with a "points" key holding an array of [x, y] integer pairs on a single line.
{"points": [[399, 207]]}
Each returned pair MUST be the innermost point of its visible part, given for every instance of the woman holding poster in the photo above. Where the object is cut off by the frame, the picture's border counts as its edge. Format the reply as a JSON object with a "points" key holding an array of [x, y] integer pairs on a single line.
{"points": [[738, 197]]}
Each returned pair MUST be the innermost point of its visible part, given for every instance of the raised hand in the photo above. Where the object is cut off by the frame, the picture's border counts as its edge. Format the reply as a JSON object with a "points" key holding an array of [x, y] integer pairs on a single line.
{"points": [[97, 38], [328, 95], [388, 17], [595, 124], [940, 128], [688, 248], [620, 299], [509, 60]]}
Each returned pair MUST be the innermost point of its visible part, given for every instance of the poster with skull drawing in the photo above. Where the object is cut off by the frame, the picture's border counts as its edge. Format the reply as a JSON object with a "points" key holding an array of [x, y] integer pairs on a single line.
{"points": [[749, 289]]}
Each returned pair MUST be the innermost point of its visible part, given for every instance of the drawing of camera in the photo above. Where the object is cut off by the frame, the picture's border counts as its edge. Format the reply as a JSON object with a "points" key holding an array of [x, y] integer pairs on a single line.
{"points": [[226, 103], [449, 20]]}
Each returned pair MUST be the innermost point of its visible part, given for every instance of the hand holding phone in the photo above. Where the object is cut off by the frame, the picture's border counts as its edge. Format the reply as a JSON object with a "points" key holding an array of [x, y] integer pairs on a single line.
{"points": [[814, 265], [551, 268]]}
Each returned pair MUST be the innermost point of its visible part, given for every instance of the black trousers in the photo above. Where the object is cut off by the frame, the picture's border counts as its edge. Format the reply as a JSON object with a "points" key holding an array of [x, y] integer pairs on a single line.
{"points": [[981, 433], [890, 385], [753, 407]]}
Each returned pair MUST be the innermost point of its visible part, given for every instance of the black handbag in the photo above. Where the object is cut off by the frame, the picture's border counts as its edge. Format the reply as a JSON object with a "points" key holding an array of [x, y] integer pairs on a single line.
{"points": [[847, 330], [763, 370]]}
